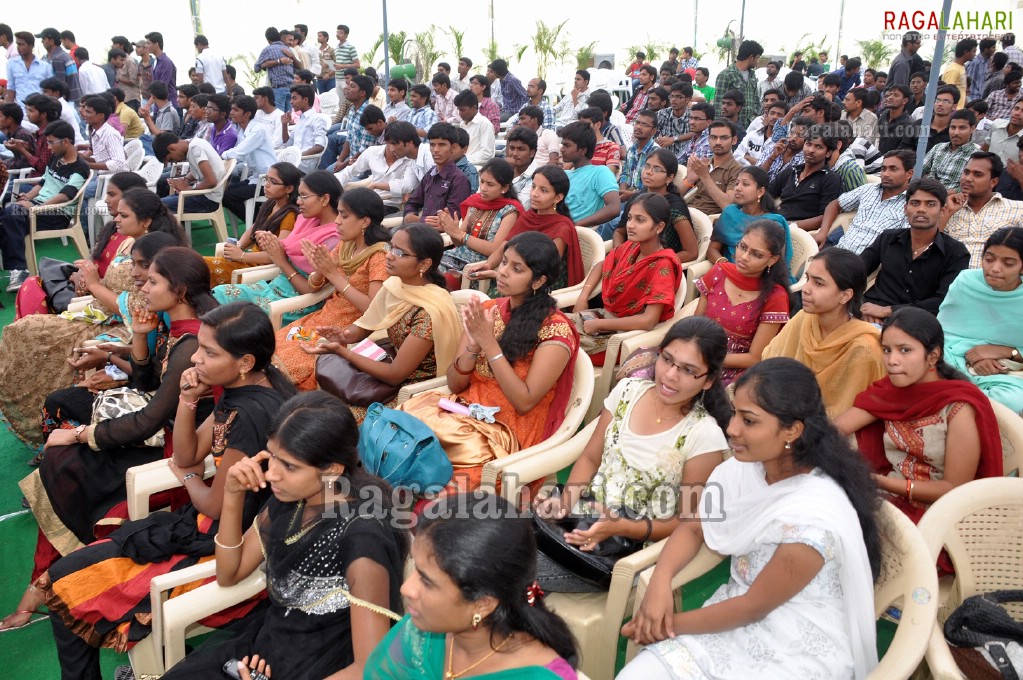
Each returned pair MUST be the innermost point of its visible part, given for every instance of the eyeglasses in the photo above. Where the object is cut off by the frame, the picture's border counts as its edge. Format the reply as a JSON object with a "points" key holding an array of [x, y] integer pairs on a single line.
{"points": [[642, 124], [682, 368], [274, 182], [397, 252], [306, 197], [654, 168]]}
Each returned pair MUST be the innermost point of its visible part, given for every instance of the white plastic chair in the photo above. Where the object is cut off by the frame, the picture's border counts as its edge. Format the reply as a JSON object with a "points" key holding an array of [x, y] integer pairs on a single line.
{"points": [[329, 103], [73, 230], [216, 217], [150, 170], [134, 154], [703, 226], [287, 154], [803, 248], [592, 247]]}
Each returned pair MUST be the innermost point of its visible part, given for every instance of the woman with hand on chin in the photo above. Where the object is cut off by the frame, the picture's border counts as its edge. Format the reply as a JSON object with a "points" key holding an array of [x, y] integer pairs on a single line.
{"points": [[415, 309], [925, 428], [333, 564], [795, 512], [517, 353], [474, 609], [98, 596], [632, 455]]}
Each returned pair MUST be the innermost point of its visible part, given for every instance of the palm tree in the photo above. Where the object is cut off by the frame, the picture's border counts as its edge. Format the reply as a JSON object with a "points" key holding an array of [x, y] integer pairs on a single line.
{"points": [[874, 53], [425, 53], [457, 41], [397, 43], [584, 55], [368, 58], [549, 46]]}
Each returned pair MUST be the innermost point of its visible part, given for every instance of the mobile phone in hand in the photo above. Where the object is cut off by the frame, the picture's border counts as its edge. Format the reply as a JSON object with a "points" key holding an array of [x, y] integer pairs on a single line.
{"points": [[231, 671]]}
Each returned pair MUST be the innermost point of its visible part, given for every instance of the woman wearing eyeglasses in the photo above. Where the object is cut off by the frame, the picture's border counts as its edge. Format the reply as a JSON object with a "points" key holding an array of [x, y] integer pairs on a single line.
{"points": [[277, 216], [638, 280], [415, 309], [659, 173], [652, 436], [318, 196]]}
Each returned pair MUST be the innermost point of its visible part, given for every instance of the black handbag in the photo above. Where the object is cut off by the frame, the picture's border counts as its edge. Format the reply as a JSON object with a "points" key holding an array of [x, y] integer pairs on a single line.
{"points": [[594, 566], [55, 277], [341, 378], [980, 623]]}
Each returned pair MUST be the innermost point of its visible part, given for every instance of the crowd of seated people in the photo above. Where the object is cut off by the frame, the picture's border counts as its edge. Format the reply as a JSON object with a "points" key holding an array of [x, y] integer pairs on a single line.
{"points": [[903, 320]]}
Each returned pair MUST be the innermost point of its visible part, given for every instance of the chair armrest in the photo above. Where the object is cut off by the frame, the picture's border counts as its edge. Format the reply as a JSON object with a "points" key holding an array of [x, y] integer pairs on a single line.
{"points": [[218, 250], [393, 222], [184, 610], [358, 184], [433, 384], [77, 304], [940, 661], [566, 297], [278, 308], [142, 481], [263, 272], [517, 470]]}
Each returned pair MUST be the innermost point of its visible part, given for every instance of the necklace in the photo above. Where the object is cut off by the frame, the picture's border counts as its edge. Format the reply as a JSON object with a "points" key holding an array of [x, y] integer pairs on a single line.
{"points": [[920, 251], [658, 416], [265, 379], [451, 674]]}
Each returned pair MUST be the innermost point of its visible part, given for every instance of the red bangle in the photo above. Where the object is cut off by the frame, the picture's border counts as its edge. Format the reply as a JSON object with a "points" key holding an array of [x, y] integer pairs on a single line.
{"points": [[909, 490]]}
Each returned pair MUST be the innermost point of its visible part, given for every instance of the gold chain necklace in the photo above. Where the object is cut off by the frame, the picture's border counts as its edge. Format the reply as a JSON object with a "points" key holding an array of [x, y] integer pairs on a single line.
{"points": [[451, 674]]}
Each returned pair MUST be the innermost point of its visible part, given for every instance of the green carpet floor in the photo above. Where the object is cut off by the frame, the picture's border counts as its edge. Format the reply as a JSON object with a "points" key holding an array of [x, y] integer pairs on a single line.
{"points": [[29, 653]]}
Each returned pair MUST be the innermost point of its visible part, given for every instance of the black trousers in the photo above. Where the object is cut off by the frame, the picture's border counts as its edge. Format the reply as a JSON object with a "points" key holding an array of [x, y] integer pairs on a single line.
{"points": [[235, 195]]}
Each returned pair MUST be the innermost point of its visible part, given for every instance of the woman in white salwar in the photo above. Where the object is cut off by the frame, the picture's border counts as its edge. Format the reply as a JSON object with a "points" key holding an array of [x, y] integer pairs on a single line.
{"points": [[797, 517]]}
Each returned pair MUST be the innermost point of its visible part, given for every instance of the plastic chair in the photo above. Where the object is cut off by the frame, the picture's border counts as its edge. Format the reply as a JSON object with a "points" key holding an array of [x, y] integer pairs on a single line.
{"points": [[873, 179], [803, 248], [73, 230], [134, 154], [216, 218], [703, 225], [329, 103], [287, 154], [592, 247], [150, 170], [980, 526], [97, 205], [1010, 428], [622, 88], [907, 578]]}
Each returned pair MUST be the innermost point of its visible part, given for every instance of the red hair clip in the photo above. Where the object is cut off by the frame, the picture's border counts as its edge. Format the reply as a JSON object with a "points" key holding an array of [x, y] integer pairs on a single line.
{"points": [[533, 593]]}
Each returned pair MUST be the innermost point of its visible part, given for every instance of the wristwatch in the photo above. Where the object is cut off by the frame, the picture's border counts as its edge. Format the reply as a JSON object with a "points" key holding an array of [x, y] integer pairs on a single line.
{"points": [[1015, 354]]}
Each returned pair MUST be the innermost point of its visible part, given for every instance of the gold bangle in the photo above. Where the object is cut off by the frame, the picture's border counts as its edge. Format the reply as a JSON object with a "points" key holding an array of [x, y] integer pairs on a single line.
{"points": [[345, 289], [216, 539], [293, 275]]}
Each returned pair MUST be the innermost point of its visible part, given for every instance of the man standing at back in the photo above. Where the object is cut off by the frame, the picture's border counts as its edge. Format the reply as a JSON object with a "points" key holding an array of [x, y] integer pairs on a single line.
{"points": [[976, 72], [955, 73], [25, 72], [345, 57], [208, 65], [164, 70], [907, 62], [513, 94], [741, 76], [91, 77], [276, 60], [64, 68]]}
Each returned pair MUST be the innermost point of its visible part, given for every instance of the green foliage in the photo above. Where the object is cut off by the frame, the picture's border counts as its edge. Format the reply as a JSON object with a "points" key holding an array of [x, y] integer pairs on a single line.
{"points": [[875, 53], [369, 58], [457, 41], [425, 53], [243, 64], [493, 52], [809, 48], [397, 45], [550, 47], [654, 49], [584, 55]]}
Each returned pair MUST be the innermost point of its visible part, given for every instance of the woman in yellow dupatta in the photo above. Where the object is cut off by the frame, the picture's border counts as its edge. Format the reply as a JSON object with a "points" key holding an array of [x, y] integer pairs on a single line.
{"points": [[415, 309], [828, 335], [518, 354], [357, 269]]}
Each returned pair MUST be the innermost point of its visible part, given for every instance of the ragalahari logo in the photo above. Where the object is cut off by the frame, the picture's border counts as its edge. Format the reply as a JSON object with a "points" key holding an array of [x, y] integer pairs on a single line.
{"points": [[957, 21]]}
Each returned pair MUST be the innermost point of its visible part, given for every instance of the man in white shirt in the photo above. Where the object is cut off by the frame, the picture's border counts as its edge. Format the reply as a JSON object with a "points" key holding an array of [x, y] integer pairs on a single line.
{"points": [[548, 145], [57, 89], [254, 149], [205, 170], [481, 131], [209, 67], [91, 77], [864, 122], [575, 101], [461, 82], [310, 133], [390, 165], [267, 114], [311, 49], [397, 109]]}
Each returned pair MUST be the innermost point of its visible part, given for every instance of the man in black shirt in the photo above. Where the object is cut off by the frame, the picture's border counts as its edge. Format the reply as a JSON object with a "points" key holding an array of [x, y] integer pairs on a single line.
{"points": [[917, 264], [806, 190], [896, 127]]}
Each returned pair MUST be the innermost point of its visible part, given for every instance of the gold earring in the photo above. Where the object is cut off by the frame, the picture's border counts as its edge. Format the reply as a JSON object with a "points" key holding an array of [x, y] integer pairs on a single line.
{"points": [[422, 273], [242, 374], [476, 618], [788, 446]]}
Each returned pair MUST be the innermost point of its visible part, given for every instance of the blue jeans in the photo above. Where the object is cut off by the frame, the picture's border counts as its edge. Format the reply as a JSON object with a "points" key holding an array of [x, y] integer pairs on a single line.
{"points": [[14, 228], [834, 236], [90, 192], [607, 230], [324, 85], [335, 143], [193, 204], [282, 98]]}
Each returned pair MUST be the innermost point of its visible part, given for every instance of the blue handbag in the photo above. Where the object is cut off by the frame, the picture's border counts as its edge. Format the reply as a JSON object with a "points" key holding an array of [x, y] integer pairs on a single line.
{"points": [[402, 450]]}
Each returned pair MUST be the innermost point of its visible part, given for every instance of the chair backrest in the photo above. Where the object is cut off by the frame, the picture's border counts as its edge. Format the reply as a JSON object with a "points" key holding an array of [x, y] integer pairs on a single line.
{"points": [[703, 226], [228, 170], [134, 154], [150, 170], [592, 247], [1010, 428], [978, 524], [462, 297], [908, 576], [329, 101], [803, 248], [289, 154], [873, 179]]}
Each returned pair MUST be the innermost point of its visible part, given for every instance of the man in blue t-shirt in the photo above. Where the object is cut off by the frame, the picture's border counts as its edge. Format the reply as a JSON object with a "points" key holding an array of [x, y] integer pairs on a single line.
{"points": [[593, 196]]}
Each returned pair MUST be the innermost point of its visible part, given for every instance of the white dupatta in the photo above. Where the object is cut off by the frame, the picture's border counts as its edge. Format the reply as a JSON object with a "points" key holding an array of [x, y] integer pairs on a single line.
{"points": [[750, 505]]}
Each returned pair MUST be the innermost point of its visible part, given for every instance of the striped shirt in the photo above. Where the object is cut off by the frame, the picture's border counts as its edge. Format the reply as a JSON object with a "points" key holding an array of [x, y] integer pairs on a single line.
{"points": [[850, 171], [632, 170], [108, 147], [670, 125], [423, 119], [344, 54], [972, 229], [946, 164], [1000, 104], [873, 215]]}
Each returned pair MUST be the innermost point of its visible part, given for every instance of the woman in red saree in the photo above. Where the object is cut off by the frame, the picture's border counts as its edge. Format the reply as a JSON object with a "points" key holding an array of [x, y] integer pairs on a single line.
{"points": [[638, 280], [548, 215], [517, 353], [925, 428]]}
